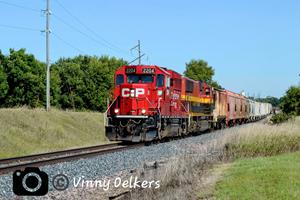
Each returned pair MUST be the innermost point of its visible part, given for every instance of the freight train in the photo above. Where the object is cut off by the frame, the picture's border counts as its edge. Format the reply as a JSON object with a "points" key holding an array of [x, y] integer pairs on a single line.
{"points": [[152, 103]]}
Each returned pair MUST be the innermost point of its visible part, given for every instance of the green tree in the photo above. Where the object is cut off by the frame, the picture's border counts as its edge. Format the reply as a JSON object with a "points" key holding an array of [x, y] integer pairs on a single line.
{"points": [[290, 103], [200, 70], [215, 84], [71, 86], [87, 81], [272, 100], [25, 78], [3, 79], [55, 92]]}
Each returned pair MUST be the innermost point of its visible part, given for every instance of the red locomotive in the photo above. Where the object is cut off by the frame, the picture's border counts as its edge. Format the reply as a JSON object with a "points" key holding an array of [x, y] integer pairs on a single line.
{"points": [[151, 103]]}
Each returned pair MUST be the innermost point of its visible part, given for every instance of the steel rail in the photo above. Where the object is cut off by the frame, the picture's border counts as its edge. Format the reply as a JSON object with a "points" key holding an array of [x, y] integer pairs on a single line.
{"points": [[19, 163]]}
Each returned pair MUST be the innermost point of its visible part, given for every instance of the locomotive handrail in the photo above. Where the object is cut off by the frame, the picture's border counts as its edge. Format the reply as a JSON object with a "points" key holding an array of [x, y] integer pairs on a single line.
{"points": [[150, 102], [158, 104], [186, 110], [153, 105], [111, 104], [183, 107], [105, 113]]}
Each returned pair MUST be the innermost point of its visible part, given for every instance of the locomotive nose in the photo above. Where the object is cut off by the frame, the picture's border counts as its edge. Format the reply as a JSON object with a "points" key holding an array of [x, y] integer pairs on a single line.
{"points": [[134, 99]]}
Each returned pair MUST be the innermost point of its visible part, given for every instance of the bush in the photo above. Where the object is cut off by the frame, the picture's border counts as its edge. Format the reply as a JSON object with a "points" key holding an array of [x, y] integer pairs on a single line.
{"points": [[280, 117]]}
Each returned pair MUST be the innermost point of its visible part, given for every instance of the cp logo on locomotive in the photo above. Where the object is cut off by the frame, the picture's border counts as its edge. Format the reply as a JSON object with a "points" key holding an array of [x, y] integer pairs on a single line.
{"points": [[126, 92]]}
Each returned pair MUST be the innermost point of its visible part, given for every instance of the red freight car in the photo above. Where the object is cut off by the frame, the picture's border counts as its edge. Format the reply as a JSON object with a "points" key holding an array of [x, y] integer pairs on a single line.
{"points": [[230, 108], [236, 105]]}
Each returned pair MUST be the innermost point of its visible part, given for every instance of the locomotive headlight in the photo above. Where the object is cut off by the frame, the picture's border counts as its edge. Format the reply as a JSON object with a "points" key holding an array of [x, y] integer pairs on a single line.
{"points": [[143, 111], [116, 110], [159, 92]]}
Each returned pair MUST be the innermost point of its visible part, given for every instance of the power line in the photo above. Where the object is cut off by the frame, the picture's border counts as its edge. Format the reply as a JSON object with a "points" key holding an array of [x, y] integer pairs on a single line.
{"points": [[79, 31], [67, 43], [19, 6], [19, 27], [138, 48], [90, 30], [101, 40]]}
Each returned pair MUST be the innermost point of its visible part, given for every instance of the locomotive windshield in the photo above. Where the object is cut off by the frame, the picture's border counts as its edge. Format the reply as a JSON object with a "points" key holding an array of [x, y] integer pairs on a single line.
{"points": [[139, 78]]}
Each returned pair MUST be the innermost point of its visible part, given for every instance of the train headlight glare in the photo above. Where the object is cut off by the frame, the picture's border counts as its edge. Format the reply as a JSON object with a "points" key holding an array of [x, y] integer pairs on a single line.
{"points": [[116, 110], [143, 111]]}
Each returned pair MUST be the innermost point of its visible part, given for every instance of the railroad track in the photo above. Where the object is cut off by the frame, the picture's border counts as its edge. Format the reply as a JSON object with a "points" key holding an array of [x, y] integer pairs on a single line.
{"points": [[36, 160]]}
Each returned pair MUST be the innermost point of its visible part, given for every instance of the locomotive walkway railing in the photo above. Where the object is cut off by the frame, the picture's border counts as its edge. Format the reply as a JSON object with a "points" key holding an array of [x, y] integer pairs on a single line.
{"points": [[105, 113]]}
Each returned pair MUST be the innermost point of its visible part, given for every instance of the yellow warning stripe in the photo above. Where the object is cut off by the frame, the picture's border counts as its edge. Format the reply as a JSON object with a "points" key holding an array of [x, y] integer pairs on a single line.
{"points": [[196, 99]]}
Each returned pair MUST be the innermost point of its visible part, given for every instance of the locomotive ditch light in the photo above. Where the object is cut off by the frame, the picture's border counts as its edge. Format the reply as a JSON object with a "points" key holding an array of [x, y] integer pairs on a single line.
{"points": [[116, 110], [143, 111]]}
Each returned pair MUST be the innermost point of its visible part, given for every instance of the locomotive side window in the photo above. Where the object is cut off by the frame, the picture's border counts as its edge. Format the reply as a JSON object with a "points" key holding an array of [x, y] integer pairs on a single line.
{"points": [[207, 92], [119, 79], [135, 78], [200, 86], [160, 80], [176, 83], [189, 86]]}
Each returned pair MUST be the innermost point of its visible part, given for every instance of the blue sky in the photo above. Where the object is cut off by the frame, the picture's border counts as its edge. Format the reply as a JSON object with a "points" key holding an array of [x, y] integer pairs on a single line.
{"points": [[252, 45]]}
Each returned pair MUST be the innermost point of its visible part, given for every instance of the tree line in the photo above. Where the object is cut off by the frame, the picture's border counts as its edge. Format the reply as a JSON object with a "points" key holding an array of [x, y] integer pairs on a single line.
{"points": [[84, 82], [81, 83], [272, 100]]}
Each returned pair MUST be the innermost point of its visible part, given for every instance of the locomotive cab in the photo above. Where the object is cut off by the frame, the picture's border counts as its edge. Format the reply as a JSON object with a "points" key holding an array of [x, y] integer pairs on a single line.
{"points": [[133, 115]]}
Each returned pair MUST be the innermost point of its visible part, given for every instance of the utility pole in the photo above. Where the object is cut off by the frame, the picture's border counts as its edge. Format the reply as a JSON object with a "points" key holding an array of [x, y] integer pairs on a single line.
{"points": [[47, 31], [138, 48]]}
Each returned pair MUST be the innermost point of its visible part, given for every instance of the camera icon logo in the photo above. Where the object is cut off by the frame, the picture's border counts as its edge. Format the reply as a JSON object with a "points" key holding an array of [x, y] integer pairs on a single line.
{"points": [[30, 182]]}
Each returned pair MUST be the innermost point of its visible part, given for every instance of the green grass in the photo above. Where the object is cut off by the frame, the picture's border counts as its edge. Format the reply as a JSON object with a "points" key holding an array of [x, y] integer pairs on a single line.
{"points": [[265, 140], [26, 131], [276, 177]]}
